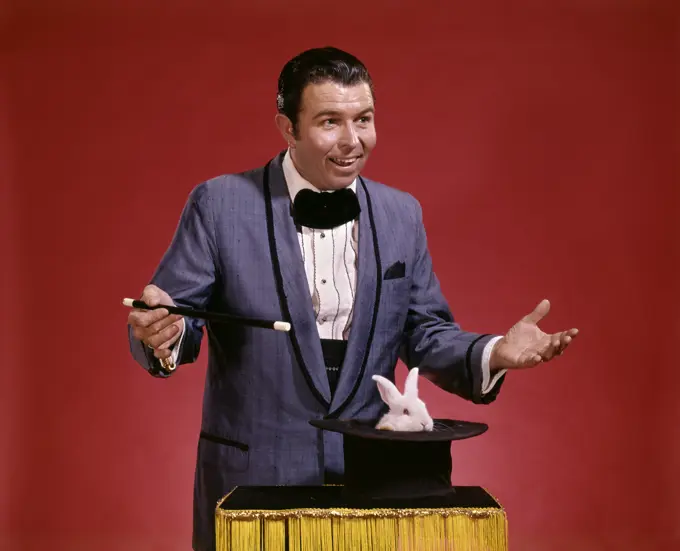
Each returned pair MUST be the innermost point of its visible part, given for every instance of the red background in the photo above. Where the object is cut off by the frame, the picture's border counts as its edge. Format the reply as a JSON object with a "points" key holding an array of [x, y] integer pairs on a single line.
{"points": [[542, 141]]}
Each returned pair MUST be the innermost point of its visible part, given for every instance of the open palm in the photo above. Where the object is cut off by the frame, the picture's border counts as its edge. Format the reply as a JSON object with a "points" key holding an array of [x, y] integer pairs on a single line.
{"points": [[526, 345]]}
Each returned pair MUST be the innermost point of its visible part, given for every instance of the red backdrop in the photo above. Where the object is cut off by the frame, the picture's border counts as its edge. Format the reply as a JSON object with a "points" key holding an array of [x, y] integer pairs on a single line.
{"points": [[541, 139]]}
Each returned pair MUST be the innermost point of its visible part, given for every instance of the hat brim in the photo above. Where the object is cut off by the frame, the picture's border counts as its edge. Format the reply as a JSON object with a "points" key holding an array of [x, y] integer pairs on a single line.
{"points": [[444, 430]]}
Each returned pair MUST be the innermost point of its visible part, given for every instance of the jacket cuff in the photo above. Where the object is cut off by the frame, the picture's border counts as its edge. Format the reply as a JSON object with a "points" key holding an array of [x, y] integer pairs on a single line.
{"points": [[473, 361]]}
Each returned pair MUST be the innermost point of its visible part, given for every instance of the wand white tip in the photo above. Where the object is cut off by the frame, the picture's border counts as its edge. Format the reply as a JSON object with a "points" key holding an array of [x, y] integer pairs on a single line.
{"points": [[281, 326], [128, 302]]}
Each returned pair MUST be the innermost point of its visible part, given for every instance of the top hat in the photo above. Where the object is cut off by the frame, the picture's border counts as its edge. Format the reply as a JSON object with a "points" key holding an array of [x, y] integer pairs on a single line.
{"points": [[386, 466]]}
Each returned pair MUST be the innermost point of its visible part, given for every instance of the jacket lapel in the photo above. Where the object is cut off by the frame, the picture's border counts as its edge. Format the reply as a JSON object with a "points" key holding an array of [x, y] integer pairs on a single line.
{"points": [[292, 284], [365, 306]]}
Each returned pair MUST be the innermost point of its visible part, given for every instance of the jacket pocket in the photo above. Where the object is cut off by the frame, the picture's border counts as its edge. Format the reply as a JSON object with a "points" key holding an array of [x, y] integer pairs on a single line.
{"points": [[229, 455], [224, 441]]}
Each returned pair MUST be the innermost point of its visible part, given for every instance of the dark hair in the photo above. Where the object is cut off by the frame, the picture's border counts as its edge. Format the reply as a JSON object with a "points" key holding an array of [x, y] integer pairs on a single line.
{"points": [[312, 67]]}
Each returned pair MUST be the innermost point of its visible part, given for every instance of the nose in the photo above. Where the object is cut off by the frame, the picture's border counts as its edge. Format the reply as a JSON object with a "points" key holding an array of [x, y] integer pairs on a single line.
{"points": [[349, 137]]}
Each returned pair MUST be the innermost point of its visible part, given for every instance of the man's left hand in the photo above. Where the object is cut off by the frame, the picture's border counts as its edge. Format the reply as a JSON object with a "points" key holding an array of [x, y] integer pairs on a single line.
{"points": [[525, 345]]}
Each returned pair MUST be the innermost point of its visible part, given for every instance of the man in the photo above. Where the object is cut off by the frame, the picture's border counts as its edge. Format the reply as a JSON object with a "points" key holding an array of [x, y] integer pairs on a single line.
{"points": [[350, 269]]}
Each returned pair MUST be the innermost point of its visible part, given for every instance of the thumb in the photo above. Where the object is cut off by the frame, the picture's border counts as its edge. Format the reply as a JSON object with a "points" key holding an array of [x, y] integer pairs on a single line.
{"points": [[539, 312], [152, 295]]}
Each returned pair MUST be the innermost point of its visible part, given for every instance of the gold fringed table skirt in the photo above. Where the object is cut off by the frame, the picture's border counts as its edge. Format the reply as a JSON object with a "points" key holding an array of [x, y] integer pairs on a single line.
{"points": [[479, 525]]}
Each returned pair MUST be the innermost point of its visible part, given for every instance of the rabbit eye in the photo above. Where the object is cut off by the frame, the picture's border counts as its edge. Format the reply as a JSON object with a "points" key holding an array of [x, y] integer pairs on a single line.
{"points": [[406, 412]]}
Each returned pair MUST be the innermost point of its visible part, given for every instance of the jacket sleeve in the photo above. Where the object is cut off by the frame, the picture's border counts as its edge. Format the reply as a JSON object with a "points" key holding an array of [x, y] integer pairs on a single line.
{"points": [[445, 354], [188, 272]]}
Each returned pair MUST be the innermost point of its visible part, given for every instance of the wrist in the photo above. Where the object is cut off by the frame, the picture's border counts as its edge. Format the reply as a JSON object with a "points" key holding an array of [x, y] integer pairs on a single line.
{"points": [[496, 362]]}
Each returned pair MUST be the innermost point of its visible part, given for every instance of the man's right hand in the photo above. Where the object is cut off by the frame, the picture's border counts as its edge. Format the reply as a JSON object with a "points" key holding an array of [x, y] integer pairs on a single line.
{"points": [[156, 328]]}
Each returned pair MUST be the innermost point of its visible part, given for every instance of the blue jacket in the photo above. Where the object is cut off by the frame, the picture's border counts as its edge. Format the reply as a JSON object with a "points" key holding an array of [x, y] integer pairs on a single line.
{"points": [[236, 250]]}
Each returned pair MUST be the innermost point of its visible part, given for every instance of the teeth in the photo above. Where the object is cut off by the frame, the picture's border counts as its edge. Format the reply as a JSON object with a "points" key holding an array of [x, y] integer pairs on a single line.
{"points": [[344, 162]]}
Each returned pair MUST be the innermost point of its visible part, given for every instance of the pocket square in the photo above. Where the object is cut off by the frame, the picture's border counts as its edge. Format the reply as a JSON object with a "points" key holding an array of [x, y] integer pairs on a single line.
{"points": [[397, 270]]}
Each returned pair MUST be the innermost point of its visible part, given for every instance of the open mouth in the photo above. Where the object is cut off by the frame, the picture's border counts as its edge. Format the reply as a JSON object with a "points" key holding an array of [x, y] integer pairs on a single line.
{"points": [[345, 162]]}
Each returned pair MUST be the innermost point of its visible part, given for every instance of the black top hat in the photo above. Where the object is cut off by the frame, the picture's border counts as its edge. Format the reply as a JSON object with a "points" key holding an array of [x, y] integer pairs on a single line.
{"points": [[384, 466]]}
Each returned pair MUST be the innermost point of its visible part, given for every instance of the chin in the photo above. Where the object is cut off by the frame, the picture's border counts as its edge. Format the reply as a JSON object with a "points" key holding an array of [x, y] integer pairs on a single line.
{"points": [[337, 181]]}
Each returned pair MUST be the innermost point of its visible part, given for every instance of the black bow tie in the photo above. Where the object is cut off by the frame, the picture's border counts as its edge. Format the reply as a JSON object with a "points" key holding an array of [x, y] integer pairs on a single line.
{"points": [[324, 210]]}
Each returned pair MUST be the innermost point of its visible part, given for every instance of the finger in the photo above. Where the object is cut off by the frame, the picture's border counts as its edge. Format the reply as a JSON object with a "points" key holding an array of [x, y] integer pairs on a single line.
{"points": [[544, 346], [164, 338], [138, 326], [570, 333], [162, 353], [529, 359], [556, 341], [142, 322], [562, 346], [533, 360], [565, 343], [146, 318], [539, 312], [549, 350], [172, 340], [156, 340], [562, 339], [549, 354], [567, 337], [163, 323], [138, 333]]}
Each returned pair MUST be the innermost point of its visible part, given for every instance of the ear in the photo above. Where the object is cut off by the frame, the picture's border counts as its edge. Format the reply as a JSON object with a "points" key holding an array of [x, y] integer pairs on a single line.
{"points": [[388, 392], [411, 385], [285, 127]]}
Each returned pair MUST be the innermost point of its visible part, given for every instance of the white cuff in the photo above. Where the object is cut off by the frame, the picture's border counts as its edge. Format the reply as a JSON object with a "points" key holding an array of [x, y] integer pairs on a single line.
{"points": [[486, 371], [178, 345]]}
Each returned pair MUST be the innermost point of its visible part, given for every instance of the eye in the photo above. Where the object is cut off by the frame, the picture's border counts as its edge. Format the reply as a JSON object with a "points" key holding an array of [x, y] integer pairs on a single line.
{"points": [[365, 119], [406, 412], [329, 122]]}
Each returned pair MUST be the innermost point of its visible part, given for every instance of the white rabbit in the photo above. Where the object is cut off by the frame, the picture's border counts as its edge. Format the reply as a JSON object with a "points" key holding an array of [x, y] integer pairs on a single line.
{"points": [[407, 412]]}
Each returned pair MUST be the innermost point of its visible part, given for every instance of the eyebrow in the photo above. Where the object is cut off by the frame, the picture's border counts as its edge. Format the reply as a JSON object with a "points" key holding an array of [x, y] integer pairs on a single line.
{"points": [[332, 112]]}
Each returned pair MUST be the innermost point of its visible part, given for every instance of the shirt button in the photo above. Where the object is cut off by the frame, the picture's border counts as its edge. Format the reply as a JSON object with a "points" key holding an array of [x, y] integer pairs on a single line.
{"points": [[323, 282], [323, 235]]}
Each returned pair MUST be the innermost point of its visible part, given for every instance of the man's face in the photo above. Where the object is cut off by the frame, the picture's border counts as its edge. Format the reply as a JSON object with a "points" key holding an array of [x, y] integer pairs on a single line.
{"points": [[335, 133]]}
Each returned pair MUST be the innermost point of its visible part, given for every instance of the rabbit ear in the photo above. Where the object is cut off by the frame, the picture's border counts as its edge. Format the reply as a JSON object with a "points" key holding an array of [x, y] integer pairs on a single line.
{"points": [[388, 392], [411, 385]]}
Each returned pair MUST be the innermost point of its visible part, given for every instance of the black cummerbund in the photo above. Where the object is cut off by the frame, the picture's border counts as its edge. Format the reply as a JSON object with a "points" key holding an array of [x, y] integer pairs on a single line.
{"points": [[333, 355]]}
